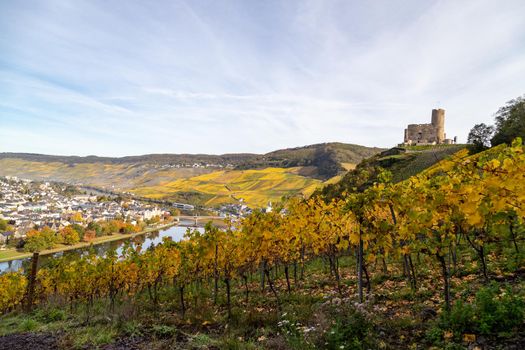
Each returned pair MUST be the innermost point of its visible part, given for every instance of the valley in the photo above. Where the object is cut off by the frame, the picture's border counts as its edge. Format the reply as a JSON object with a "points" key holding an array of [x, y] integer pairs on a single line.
{"points": [[205, 180]]}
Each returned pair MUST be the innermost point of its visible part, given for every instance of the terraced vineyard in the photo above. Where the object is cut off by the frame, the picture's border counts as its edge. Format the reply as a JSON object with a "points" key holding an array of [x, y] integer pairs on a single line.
{"points": [[198, 179], [105, 175], [255, 187], [198, 185]]}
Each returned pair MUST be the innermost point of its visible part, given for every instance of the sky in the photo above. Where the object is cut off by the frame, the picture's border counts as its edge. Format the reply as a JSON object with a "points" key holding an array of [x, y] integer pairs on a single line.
{"points": [[115, 78]]}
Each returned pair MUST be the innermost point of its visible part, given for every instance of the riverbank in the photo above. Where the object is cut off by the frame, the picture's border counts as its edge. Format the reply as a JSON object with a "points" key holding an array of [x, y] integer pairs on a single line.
{"points": [[13, 254]]}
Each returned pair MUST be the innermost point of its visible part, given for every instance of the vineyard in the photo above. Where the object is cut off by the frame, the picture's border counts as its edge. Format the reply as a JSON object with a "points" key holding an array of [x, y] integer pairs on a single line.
{"points": [[442, 252], [255, 187], [207, 180]]}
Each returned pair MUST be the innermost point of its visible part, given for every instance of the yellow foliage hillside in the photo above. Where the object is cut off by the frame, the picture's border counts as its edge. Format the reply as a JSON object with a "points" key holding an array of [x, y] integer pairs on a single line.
{"points": [[255, 187]]}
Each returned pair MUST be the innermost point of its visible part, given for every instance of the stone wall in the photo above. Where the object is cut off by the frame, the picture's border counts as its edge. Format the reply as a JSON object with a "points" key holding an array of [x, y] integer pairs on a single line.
{"points": [[420, 133]]}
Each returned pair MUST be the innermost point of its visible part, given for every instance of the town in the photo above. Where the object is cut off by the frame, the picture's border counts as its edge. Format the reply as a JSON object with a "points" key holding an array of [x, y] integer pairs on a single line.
{"points": [[26, 205]]}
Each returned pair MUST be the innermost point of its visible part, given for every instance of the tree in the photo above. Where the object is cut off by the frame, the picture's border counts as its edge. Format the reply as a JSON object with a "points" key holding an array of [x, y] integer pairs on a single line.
{"points": [[94, 226], [174, 212], [49, 236], [3, 225], [510, 122], [69, 235], [80, 230], [480, 136], [77, 217], [325, 159], [36, 241]]}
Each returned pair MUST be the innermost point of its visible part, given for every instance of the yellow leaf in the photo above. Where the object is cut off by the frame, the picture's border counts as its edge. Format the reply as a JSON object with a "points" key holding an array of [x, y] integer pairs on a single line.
{"points": [[475, 219], [469, 338], [448, 334]]}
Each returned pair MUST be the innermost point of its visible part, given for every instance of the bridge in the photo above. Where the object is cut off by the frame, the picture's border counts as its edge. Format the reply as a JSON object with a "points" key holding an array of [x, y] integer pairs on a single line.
{"points": [[196, 218]]}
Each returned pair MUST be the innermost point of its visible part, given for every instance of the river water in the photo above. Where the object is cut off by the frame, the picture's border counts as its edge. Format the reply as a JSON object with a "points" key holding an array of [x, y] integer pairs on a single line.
{"points": [[145, 241]]}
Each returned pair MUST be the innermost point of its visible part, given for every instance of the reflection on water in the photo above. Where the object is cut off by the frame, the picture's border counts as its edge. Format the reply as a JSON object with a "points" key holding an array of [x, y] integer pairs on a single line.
{"points": [[144, 241]]}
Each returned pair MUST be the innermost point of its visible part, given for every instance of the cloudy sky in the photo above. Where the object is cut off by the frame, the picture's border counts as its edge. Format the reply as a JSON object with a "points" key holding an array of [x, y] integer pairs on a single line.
{"points": [[135, 77]]}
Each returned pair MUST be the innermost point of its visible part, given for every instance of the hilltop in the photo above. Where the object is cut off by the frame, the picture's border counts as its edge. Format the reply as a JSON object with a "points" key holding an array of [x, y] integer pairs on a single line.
{"points": [[327, 158], [401, 162], [200, 178]]}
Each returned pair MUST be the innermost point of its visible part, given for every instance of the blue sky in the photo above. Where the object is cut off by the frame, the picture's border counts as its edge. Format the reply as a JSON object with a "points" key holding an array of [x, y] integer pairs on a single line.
{"points": [[134, 77]]}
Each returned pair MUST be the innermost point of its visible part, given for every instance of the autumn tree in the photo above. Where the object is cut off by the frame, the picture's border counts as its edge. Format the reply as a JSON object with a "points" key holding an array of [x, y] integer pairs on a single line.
{"points": [[69, 235]]}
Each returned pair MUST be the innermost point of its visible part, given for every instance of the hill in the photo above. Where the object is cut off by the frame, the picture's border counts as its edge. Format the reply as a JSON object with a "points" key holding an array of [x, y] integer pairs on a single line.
{"points": [[256, 187], [326, 157], [401, 162], [199, 179]]}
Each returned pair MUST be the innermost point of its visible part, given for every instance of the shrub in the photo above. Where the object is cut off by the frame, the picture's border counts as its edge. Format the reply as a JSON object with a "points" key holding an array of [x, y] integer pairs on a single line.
{"points": [[492, 313], [163, 331], [11, 284], [52, 315], [28, 325], [352, 330], [132, 329], [498, 312], [461, 319]]}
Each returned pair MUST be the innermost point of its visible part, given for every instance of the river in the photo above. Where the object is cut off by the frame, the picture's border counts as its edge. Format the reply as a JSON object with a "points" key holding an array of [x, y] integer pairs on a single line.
{"points": [[145, 241]]}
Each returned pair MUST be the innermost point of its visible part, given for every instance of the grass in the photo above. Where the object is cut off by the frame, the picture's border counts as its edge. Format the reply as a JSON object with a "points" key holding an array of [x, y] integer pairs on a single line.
{"points": [[430, 147], [76, 333], [411, 164], [12, 254]]}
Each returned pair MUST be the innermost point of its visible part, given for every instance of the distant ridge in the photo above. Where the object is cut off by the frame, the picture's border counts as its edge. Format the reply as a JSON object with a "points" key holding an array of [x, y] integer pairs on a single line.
{"points": [[327, 157], [146, 158], [200, 179]]}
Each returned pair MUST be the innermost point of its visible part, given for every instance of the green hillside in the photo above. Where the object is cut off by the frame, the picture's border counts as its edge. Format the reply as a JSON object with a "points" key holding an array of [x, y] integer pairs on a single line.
{"points": [[402, 162]]}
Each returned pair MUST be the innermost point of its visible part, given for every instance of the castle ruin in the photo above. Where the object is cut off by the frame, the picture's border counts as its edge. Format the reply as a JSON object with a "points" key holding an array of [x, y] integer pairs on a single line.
{"points": [[428, 134]]}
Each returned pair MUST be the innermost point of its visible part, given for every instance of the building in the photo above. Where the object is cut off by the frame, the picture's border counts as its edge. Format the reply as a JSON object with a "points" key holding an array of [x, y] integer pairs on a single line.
{"points": [[428, 134]]}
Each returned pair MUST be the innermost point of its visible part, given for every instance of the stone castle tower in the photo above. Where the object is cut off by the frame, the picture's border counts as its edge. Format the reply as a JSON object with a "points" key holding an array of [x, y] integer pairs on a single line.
{"points": [[428, 134], [438, 121]]}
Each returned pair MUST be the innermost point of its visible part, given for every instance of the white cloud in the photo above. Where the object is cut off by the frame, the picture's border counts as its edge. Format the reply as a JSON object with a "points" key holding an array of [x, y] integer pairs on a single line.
{"points": [[250, 77]]}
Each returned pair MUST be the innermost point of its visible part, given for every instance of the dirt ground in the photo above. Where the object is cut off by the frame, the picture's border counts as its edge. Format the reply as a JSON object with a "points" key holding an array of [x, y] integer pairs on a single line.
{"points": [[31, 341]]}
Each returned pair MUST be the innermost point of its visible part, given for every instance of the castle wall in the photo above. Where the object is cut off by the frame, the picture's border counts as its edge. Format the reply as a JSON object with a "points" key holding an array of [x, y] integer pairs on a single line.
{"points": [[433, 133], [420, 133]]}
